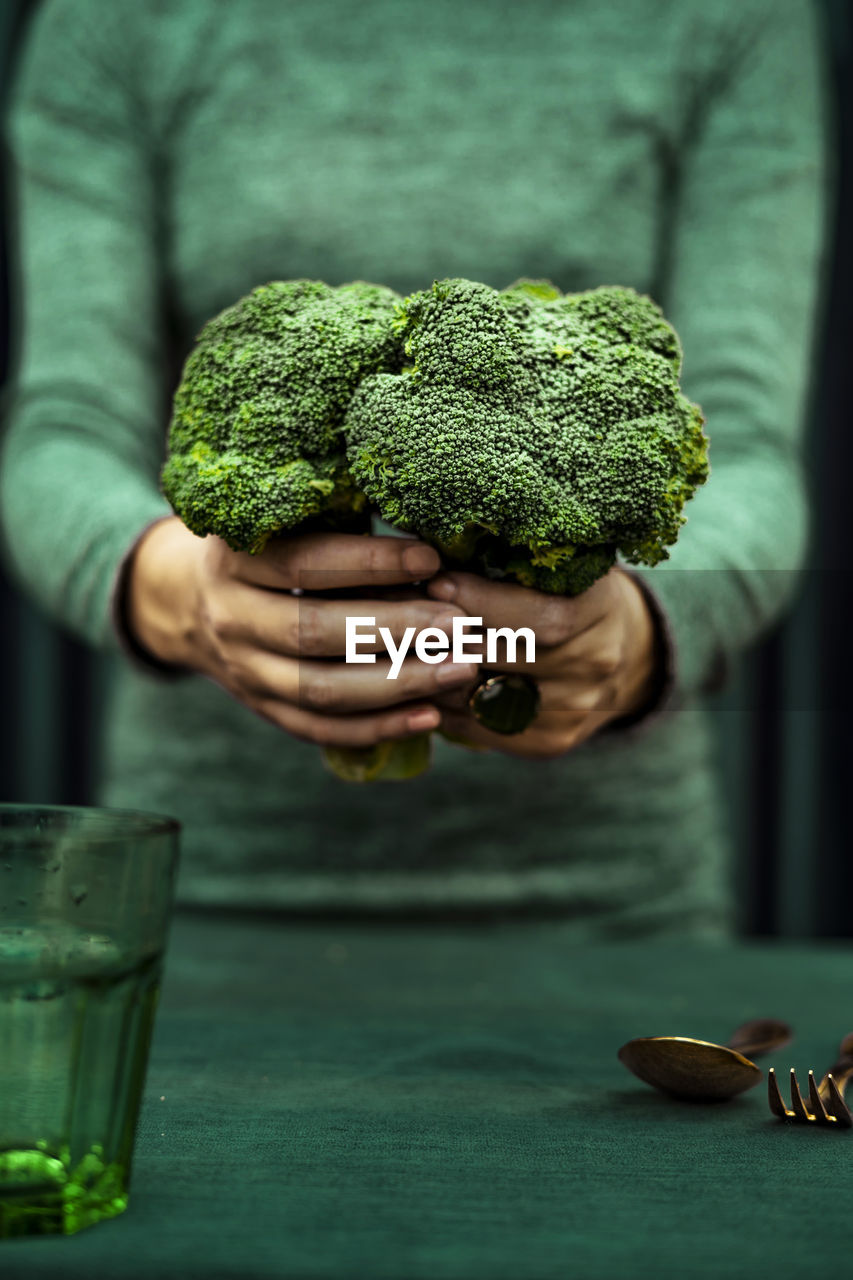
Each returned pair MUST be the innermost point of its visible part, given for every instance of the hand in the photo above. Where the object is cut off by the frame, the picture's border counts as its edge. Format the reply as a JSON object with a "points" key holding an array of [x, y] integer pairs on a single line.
{"points": [[597, 658], [195, 603]]}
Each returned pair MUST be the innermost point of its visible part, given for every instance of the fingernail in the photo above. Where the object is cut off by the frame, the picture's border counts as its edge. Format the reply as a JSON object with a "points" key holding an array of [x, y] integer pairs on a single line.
{"points": [[420, 560], [444, 588], [427, 718], [455, 672]]}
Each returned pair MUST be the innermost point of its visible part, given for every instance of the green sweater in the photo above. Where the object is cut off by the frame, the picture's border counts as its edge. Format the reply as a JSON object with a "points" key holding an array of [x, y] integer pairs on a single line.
{"points": [[172, 155]]}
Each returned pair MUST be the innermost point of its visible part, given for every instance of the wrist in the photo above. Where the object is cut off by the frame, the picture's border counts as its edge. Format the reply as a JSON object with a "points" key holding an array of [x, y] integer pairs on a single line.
{"points": [[158, 609]]}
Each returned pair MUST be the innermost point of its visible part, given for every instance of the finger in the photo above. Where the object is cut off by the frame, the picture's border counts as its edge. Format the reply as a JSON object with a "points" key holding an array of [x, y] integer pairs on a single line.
{"points": [[554, 619], [348, 731], [313, 627], [594, 654], [335, 561], [562, 702], [374, 626], [536, 743], [338, 688]]}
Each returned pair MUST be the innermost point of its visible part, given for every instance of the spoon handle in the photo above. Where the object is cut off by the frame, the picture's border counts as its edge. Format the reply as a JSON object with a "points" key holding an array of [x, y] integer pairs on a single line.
{"points": [[761, 1035]]}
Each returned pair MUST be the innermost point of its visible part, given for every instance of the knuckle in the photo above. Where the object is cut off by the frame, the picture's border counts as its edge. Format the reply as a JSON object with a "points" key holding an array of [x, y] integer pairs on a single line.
{"points": [[552, 623], [306, 631], [217, 556], [609, 696], [377, 558], [291, 633], [586, 701], [317, 692], [216, 616], [282, 554], [607, 662], [238, 676], [214, 641]]}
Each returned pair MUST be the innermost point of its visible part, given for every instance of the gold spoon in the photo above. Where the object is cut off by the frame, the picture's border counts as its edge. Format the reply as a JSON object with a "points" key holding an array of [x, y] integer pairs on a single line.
{"points": [[702, 1071]]}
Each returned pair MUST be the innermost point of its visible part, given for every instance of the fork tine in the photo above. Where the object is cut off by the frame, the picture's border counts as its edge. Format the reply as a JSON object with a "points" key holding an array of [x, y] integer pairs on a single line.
{"points": [[799, 1107], [774, 1097], [820, 1113], [837, 1106]]}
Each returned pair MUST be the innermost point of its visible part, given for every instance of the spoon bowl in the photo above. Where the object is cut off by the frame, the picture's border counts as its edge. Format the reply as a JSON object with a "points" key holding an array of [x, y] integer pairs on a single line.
{"points": [[700, 1070]]}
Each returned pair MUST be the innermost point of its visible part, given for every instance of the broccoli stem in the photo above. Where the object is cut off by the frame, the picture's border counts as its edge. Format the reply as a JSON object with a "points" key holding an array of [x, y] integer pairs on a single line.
{"points": [[464, 546], [386, 762]]}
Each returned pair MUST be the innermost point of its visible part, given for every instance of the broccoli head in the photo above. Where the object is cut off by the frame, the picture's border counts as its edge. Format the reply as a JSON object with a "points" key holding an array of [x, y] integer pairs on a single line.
{"points": [[255, 443], [526, 434], [529, 434]]}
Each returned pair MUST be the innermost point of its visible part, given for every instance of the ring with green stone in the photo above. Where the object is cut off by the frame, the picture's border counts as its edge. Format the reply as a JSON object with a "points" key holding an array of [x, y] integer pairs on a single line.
{"points": [[505, 703]]}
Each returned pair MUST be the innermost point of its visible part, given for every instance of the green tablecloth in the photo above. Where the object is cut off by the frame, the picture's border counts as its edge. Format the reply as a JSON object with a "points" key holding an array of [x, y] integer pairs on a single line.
{"points": [[410, 1100]]}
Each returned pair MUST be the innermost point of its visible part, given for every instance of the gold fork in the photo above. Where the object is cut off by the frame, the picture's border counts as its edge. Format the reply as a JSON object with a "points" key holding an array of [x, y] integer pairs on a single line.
{"points": [[826, 1100]]}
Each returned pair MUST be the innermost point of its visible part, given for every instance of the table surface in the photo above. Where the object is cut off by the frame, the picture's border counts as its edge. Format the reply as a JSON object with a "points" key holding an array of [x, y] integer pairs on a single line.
{"points": [[422, 1100]]}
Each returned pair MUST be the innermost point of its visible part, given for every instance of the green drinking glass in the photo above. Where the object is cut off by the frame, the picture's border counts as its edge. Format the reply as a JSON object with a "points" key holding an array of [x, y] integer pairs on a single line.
{"points": [[85, 902]]}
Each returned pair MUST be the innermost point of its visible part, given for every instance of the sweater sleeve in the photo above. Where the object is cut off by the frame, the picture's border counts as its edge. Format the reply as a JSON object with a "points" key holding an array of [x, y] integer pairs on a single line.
{"points": [[741, 287], [85, 436]]}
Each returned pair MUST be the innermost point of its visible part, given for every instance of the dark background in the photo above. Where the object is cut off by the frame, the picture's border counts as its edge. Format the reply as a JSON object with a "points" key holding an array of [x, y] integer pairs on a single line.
{"points": [[784, 722]]}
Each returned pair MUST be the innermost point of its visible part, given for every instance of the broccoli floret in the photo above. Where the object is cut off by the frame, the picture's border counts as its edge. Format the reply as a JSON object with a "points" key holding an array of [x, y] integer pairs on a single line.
{"points": [[255, 443], [529, 434]]}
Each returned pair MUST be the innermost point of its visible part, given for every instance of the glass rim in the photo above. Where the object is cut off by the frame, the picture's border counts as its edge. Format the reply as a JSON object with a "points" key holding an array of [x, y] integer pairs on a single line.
{"points": [[125, 822]]}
